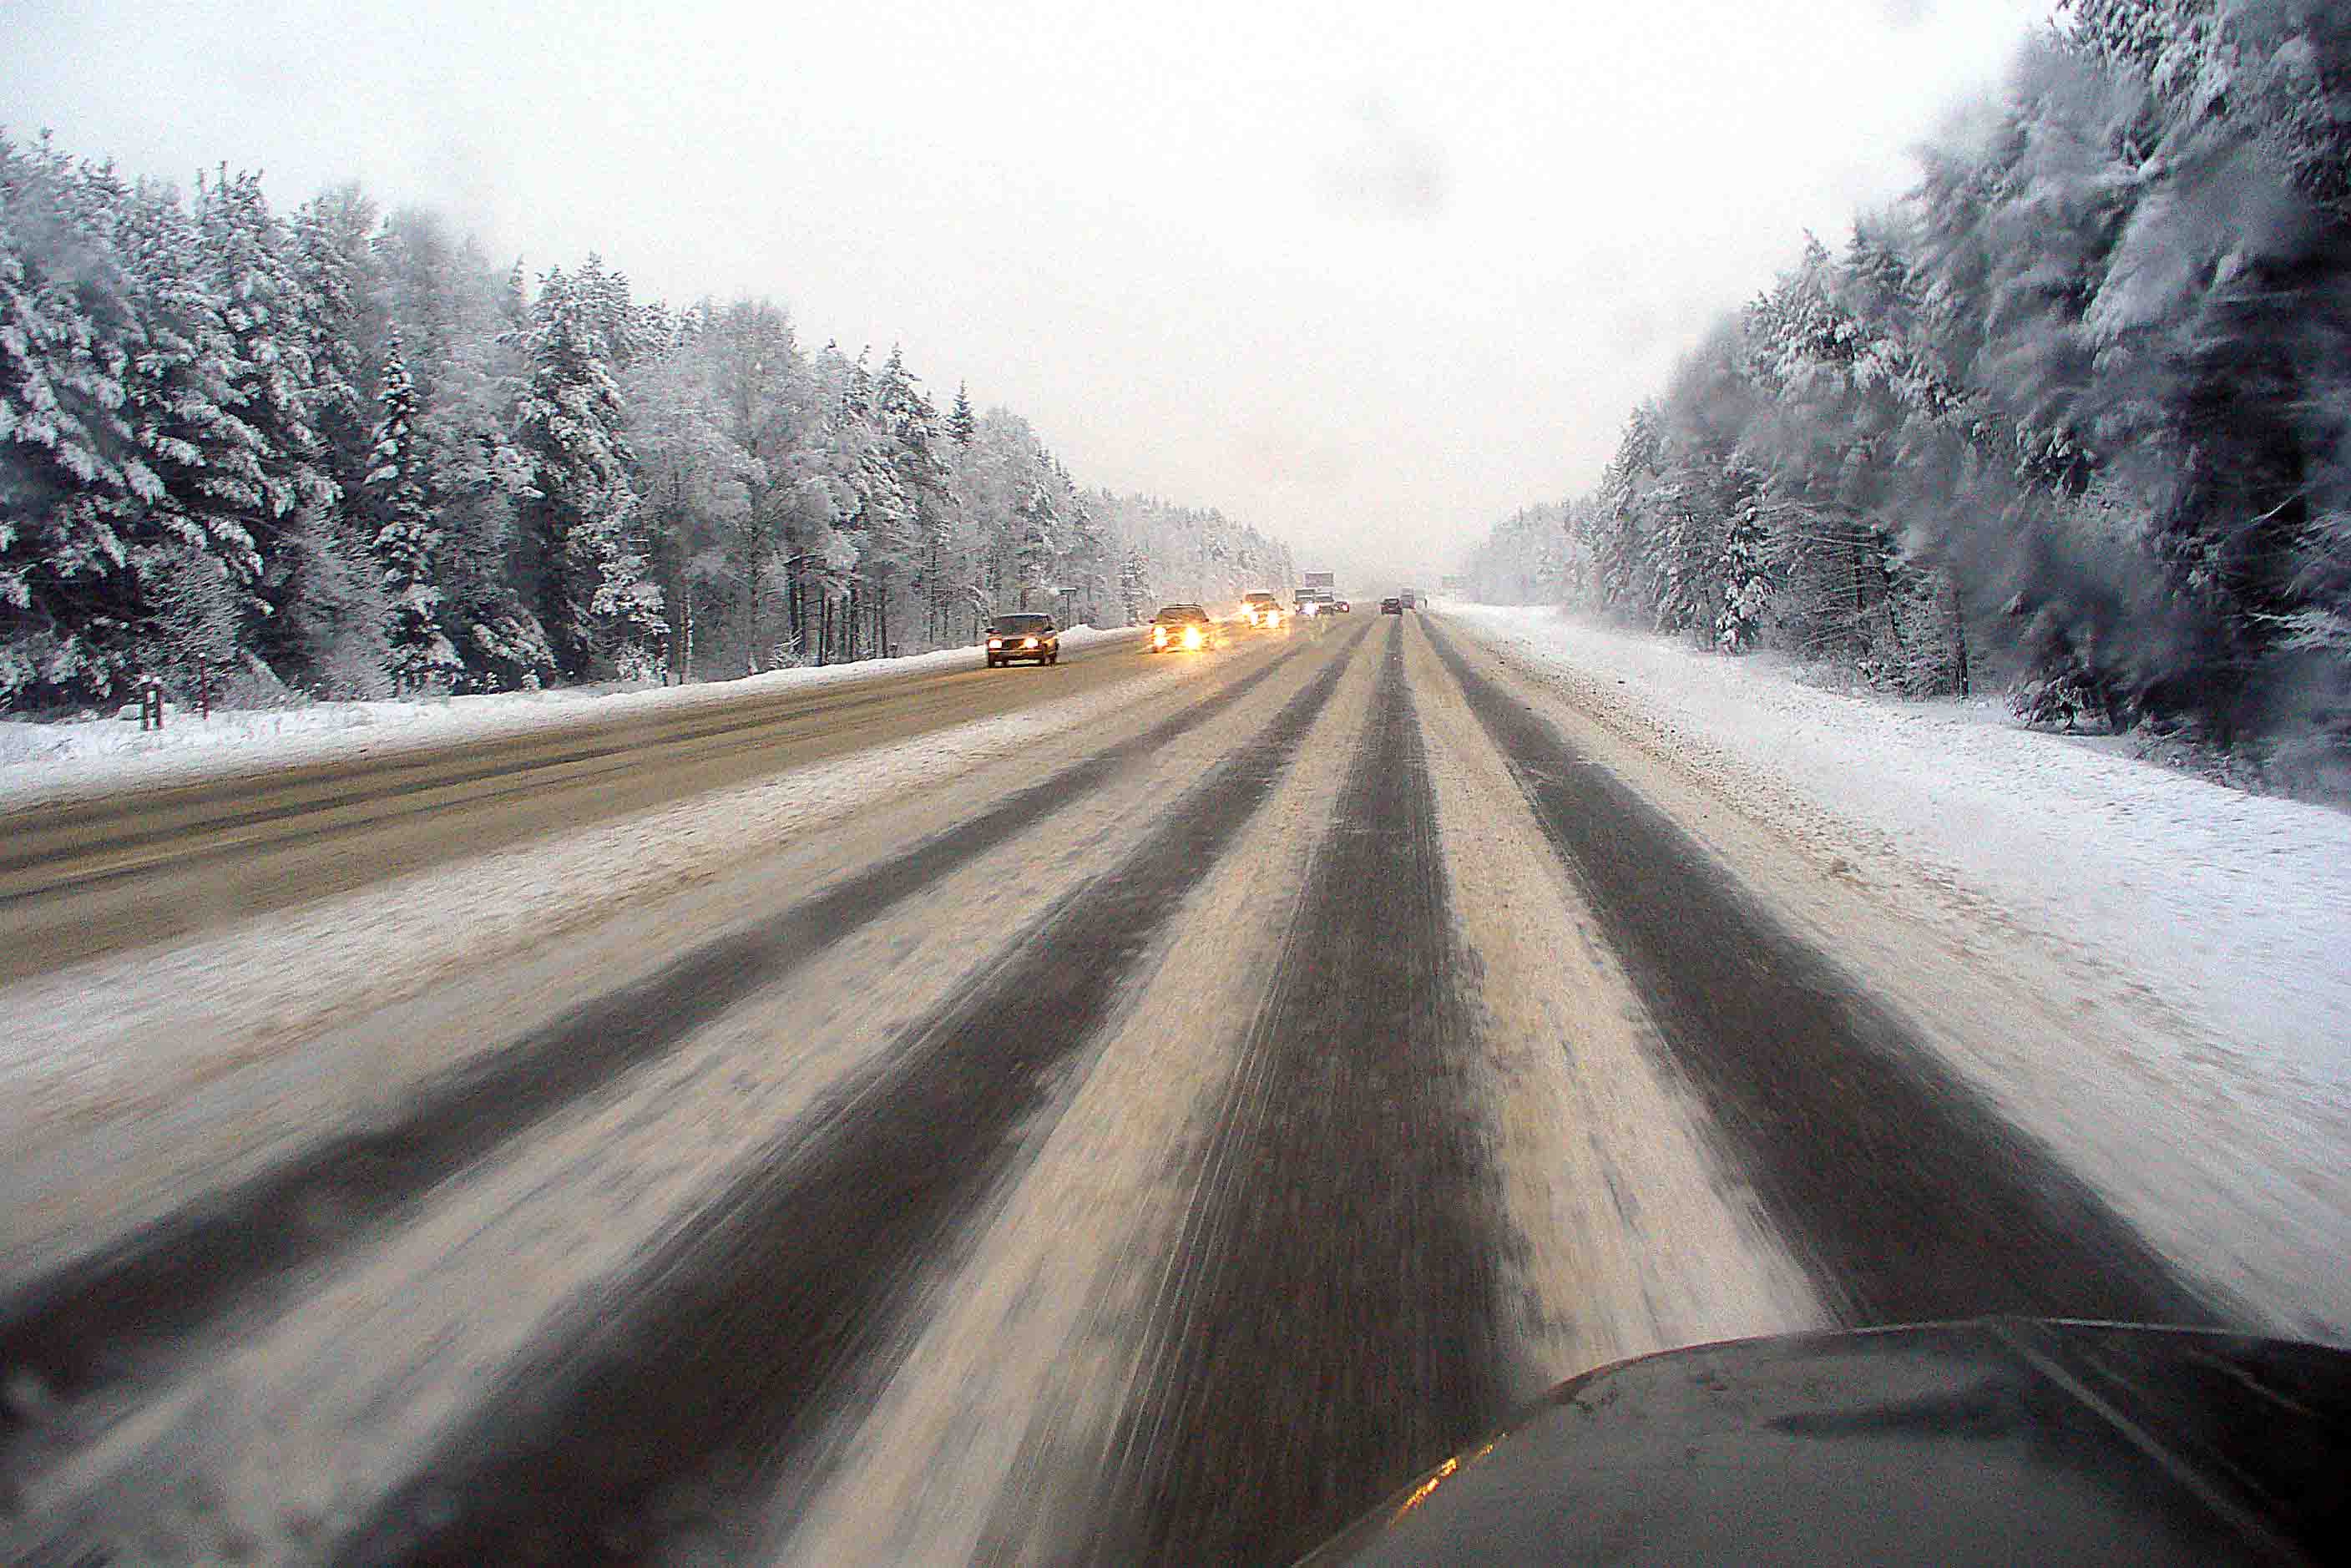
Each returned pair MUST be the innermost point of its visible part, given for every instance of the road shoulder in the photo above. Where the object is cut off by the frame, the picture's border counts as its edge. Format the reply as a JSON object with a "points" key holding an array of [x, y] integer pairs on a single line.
{"points": [[2241, 1180]]}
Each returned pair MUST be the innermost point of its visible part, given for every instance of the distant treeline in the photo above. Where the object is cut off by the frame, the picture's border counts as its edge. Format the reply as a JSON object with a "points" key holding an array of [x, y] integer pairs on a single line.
{"points": [[340, 453], [2081, 400]]}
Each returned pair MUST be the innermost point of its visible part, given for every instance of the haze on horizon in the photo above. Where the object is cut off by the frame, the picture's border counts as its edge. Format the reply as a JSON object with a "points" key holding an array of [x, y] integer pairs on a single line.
{"points": [[1367, 278]]}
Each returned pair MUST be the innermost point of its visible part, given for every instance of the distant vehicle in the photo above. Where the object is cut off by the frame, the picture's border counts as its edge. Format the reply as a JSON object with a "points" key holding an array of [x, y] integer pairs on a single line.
{"points": [[1185, 627], [1410, 599], [1342, 607], [1262, 610], [1390, 606], [1014, 638]]}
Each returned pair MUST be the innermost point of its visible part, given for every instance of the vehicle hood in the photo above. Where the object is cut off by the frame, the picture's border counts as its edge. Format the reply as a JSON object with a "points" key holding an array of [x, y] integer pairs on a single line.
{"points": [[1999, 1441]]}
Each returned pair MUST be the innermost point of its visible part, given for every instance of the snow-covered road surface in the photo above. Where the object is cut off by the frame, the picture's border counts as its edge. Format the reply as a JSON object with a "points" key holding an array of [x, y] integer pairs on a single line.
{"points": [[84, 872], [79, 758], [1155, 1129]]}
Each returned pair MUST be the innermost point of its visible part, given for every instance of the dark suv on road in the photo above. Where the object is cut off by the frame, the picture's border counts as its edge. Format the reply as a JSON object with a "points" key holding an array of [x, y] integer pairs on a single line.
{"points": [[1018, 637]]}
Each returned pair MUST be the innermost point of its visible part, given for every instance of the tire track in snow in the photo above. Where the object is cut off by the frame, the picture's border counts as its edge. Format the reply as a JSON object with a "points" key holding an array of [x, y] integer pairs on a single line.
{"points": [[1330, 1324], [107, 1317], [987, 1443], [1631, 1233], [1904, 1193], [682, 1402]]}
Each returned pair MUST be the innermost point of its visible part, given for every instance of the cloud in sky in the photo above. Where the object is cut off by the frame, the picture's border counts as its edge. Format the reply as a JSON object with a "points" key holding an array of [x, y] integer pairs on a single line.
{"points": [[1386, 170], [1372, 272]]}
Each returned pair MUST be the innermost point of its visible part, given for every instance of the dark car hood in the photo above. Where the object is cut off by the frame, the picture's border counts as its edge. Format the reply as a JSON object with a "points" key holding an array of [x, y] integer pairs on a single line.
{"points": [[1999, 1441]]}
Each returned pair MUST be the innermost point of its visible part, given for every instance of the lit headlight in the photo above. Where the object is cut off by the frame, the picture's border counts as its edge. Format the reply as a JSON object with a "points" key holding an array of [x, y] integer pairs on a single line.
{"points": [[996, 642], [1027, 641], [1273, 617], [1308, 610], [1192, 637], [1159, 635]]}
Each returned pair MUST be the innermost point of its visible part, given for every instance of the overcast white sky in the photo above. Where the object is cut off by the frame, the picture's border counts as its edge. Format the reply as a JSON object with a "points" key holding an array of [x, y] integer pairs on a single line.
{"points": [[1369, 273]]}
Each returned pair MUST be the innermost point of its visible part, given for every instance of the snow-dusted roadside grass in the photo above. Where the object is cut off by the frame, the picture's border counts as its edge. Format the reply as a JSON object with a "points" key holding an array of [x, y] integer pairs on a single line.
{"points": [[82, 757], [2234, 908]]}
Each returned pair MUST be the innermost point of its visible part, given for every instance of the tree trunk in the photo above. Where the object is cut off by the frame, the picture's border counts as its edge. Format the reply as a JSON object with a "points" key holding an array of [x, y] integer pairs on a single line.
{"points": [[1960, 677]]}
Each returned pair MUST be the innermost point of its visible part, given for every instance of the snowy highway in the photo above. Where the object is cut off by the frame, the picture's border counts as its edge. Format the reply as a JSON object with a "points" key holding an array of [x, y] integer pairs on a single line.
{"points": [[85, 877], [1142, 1110]]}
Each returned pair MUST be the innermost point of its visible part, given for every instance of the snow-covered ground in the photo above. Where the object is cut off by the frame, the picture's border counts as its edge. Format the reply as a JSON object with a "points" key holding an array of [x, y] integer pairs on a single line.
{"points": [[2235, 908], [80, 758]]}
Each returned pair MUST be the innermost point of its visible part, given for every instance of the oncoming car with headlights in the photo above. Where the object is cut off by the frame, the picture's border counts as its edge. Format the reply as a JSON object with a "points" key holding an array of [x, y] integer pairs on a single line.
{"points": [[1182, 628], [1017, 637], [1263, 610]]}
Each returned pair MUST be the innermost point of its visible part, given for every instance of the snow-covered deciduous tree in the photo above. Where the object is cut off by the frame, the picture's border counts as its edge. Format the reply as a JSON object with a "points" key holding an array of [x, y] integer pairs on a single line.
{"points": [[699, 486]]}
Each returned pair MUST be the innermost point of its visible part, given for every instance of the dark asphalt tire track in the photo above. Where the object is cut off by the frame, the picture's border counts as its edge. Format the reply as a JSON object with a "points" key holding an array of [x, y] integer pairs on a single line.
{"points": [[80, 879], [1334, 1327], [1904, 1191], [693, 1387], [110, 1315]]}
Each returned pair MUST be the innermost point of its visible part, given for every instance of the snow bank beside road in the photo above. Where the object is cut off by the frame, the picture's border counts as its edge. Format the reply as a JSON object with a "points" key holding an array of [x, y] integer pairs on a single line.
{"points": [[89, 756], [2232, 909]]}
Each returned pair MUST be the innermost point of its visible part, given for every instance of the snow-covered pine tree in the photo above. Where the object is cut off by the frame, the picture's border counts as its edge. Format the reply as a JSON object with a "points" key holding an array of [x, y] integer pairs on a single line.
{"points": [[1622, 551], [910, 433], [323, 613], [406, 540], [465, 336], [1133, 584], [1037, 546], [71, 480], [586, 566], [1744, 572], [340, 321], [621, 328], [196, 558]]}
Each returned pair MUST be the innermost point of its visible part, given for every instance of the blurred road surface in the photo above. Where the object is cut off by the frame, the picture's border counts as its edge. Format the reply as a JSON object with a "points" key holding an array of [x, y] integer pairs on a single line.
{"points": [[1154, 1148]]}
